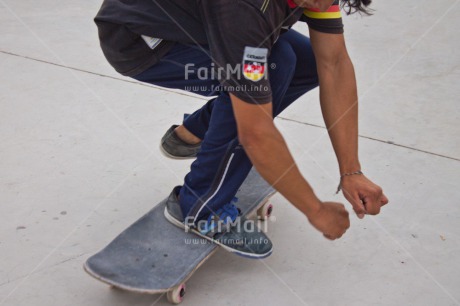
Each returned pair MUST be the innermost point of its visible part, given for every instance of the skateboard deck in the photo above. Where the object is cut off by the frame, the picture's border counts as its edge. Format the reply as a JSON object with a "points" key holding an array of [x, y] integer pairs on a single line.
{"points": [[153, 256]]}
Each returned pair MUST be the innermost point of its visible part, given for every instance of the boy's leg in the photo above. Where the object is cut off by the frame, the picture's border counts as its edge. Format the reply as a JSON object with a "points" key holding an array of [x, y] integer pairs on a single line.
{"points": [[220, 167], [305, 76], [222, 164], [197, 123], [182, 68]]}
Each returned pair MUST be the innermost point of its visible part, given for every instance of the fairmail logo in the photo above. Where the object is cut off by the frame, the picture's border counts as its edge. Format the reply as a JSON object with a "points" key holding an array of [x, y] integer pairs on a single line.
{"points": [[239, 225], [253, 67]]}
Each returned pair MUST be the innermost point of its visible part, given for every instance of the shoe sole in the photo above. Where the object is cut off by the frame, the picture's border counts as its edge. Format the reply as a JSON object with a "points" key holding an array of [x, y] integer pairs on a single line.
{"points": [[181, 225], [168, 155]]}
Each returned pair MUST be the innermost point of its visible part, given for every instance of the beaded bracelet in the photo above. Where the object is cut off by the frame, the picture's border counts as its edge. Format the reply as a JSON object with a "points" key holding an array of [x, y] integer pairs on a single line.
{"points": [[359, 172]]}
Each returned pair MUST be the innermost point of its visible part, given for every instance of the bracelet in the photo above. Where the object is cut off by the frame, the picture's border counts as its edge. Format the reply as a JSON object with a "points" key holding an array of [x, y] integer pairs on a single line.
{"points": [[359, 172]]}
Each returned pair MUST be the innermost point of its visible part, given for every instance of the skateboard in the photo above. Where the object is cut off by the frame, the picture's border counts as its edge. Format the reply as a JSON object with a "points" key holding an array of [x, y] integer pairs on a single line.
{"points": [[154, 256]]}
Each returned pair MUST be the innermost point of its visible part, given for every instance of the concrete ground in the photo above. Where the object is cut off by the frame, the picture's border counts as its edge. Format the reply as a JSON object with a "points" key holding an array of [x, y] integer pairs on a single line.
{"points": [[79, 162]]}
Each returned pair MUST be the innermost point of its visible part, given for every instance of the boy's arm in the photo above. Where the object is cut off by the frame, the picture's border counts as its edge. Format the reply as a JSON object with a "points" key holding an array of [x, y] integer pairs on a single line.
{"points": [[339, 105], [269, 154]]}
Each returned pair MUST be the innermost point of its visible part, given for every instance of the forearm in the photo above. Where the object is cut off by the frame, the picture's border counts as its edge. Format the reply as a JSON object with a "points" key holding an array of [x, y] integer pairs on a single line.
{"points": [[339, 105], [270, 155], [279, 169]]}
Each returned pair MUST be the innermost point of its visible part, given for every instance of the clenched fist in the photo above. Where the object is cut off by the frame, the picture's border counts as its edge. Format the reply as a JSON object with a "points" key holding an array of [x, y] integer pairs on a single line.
{"points": [[331, 220], [365, 196]]}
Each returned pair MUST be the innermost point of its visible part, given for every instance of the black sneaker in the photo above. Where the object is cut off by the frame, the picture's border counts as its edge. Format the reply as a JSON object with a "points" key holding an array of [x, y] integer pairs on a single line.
{"points": [[174, 147], [225, 228]]}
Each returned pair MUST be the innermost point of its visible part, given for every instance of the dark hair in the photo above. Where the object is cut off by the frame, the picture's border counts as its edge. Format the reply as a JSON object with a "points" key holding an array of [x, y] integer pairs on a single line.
{"points": [[353, 6]]}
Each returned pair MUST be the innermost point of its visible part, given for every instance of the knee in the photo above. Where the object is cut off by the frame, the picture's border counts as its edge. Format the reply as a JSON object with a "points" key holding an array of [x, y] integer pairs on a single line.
{"points": [[282, 62]]}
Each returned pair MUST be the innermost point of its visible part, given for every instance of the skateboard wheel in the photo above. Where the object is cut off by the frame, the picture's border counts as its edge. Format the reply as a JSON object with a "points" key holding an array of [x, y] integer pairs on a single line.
{"points": [[265, 211], [176, 295]]}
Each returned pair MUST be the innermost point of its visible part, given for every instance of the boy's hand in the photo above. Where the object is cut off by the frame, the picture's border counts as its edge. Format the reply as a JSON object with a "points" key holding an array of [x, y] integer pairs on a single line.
{"points": [[365, 196], [331, 220]]}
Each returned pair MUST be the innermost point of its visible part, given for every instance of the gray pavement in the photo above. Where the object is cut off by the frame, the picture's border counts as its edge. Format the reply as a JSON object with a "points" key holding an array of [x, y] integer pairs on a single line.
{"points": [[79, 162]]}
